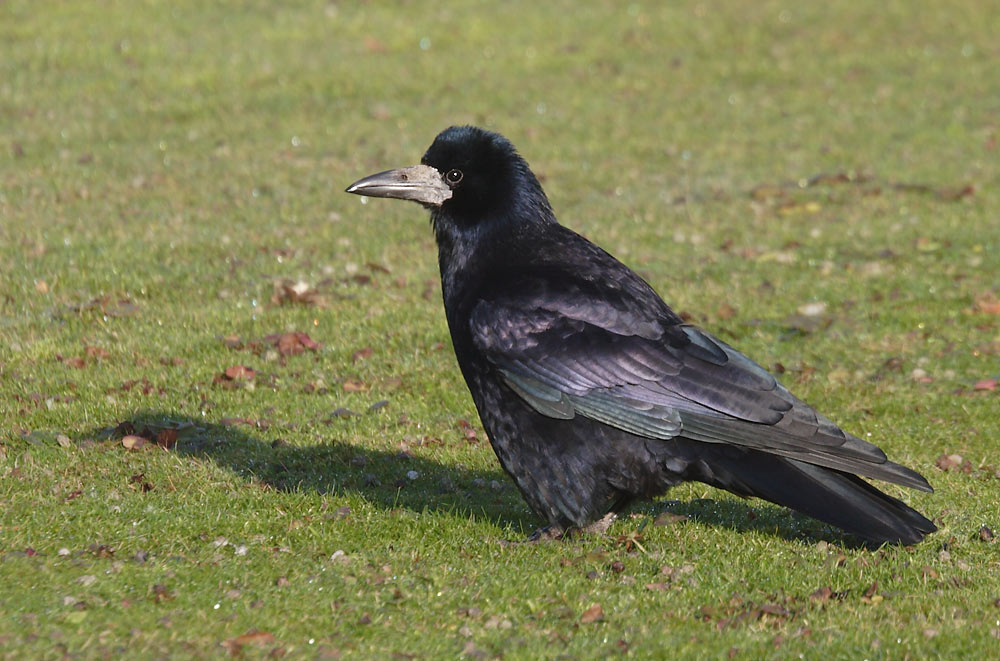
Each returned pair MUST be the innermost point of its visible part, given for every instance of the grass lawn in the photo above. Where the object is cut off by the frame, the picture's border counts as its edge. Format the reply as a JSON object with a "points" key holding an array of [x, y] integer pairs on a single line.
{"points": [[818, 185]]}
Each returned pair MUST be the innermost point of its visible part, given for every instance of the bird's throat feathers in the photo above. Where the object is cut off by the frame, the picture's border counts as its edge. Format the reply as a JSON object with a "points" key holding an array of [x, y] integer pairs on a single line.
{"points": [[468, 237]]}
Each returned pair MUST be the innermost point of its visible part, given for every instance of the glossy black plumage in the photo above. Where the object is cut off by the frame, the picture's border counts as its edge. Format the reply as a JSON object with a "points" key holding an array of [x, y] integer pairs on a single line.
{"points": [[593, 392]]}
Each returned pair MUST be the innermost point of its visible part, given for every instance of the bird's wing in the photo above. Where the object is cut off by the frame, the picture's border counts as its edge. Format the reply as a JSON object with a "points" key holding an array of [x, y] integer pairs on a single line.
{"points": [[659, 379]]}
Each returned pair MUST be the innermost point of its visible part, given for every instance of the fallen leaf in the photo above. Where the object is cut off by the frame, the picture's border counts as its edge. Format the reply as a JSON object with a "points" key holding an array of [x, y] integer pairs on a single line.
{"points": [[774, 609], [988, 305], [468, 431], [101, 550], [954, 193], [239, 373], [927, 244], [813, 309], [822, 595], [354, 386], [133, 442], [253, 637], [361, 354], [726, 311], [166, 438], [986, 384], [593, 614], [302, 293], [951, 462], [291, 344], [96, 352], [377, 268]]}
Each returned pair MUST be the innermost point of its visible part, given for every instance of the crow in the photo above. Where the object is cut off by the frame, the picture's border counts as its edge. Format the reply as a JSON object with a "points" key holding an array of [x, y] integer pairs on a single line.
{"points": [[593, 392]]}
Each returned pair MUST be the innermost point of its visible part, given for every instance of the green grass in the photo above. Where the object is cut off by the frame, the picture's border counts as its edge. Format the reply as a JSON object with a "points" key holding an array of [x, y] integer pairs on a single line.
{"points": [[165, 166]]}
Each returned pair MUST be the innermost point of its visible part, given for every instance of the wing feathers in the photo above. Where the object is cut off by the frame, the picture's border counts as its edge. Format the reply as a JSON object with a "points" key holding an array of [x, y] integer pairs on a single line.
{"points": [[683, 382]]}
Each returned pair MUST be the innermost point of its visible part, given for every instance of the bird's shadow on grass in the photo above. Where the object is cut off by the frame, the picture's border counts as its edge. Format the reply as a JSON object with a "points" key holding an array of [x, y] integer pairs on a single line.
{"points": [[758, 516], [389, 479], [394, 479]]}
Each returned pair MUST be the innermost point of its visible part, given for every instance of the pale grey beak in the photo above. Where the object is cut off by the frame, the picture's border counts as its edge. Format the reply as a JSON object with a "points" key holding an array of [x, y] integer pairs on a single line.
{"points": [[420, 183]]}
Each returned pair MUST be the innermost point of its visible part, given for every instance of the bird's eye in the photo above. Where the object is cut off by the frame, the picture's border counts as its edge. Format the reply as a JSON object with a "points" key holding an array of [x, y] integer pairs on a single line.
{"points": [[453, 176]]}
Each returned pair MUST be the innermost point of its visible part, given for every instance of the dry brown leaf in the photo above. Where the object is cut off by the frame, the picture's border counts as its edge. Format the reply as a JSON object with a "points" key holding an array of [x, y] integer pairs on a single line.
{"points": [[986, 384], [302, 293], [593, 614], [132, 442], [239, 373], [96, 352], [166, 438], [287, 344], [253, 637], [161, 593], [468, 431], [822, 595], [953, 462], [988, 304], [361, 354]]}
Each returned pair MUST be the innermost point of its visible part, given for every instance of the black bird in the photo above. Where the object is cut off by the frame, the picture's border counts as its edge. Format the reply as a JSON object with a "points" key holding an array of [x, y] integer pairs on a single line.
{"points": [[593, 392]]}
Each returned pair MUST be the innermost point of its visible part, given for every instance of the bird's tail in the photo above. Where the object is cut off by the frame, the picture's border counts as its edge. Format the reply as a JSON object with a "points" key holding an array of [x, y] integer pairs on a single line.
{"points": [[835, 497]]}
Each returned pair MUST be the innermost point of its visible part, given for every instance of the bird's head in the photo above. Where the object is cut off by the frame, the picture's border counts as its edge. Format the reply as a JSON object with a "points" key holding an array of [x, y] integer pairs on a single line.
{"points": [[469, 177]]}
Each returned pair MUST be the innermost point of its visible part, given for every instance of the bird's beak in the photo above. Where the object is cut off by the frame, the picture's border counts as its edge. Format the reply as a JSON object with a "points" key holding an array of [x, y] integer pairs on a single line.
{"points": [[420, 183]]}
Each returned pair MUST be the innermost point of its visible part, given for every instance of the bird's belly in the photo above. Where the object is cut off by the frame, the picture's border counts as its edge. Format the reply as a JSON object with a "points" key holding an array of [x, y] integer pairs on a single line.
{"points": [[571, 472]]}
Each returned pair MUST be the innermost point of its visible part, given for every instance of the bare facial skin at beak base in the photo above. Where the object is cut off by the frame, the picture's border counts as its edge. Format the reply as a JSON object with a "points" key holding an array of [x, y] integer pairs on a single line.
{"points": [[419, 183]]}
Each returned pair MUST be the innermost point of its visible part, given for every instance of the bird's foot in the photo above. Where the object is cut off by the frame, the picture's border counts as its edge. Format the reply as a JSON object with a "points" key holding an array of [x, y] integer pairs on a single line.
{"points": [[600, 526], [547, 533]]}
